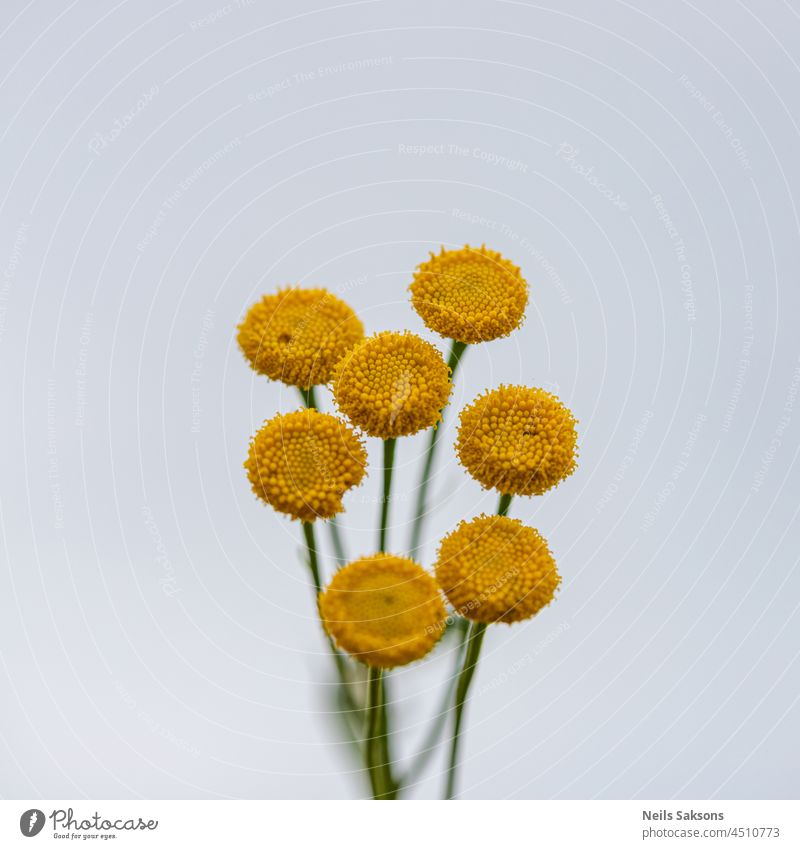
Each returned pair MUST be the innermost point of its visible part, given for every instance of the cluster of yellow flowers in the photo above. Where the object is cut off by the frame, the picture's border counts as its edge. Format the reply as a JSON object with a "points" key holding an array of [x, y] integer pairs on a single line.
{"points": [[385, 609]]}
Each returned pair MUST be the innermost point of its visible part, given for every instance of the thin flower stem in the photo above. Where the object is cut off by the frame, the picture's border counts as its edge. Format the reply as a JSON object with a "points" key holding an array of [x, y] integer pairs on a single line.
{"points": [[310, 400], [388, 467], [373, 729], [341, 664], [379, 769], [389, 446], [390, 785], [475, 636], [433, 737], [309, 397], [313, 565], [313, 561], [456, 352], [338, 545]]}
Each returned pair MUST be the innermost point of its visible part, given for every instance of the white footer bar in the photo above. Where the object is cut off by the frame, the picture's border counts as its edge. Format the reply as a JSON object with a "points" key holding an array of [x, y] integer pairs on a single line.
{"points": [[386, 825]]}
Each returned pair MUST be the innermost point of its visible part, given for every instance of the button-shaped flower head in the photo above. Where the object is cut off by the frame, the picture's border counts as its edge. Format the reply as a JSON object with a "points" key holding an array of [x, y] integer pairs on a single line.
{"points": [[298, 335], [392, 384], [471, 295], [384, 610], [518, 440], [495, 569], [302, 463]]}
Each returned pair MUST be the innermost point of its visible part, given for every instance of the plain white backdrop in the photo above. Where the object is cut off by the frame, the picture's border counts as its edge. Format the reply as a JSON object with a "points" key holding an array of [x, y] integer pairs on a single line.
{"points": [[162, 166]]}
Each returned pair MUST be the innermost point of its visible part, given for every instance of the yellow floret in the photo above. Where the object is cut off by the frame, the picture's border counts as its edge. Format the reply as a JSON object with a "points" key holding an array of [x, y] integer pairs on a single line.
{"points": [[518, 440], [298, 335], [471, 295], [392, 384], [495, 569], [302, 463], [384, 610]]}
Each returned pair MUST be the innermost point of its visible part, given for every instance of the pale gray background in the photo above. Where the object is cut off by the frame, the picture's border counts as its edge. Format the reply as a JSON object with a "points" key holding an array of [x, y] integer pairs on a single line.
{"points": [[157, 631]]}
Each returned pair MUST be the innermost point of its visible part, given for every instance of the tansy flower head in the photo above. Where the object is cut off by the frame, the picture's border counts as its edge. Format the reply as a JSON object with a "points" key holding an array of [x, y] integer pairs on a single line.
{"points": [[302, 463], [495, 569], [471, 295], [384, 610], [518, 440], [392, 384], [298, 335]]}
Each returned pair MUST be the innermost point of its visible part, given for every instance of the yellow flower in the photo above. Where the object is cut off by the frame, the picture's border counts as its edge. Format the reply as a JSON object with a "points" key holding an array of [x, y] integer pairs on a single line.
{"points": [[471, 295], [298, 335], [518, 440], [495, 569], [392, 384], [302, 463], [384, 610]]}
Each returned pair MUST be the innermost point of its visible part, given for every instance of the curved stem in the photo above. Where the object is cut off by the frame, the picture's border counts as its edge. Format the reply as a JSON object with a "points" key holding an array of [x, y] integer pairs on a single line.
{"points": [[341, 663], [504, 504], [477, 631], [313, 565], [388, 467], [456, 352]]}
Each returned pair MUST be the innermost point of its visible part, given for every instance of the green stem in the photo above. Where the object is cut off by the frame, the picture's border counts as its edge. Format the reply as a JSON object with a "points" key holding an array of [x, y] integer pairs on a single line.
{"points": [[377, 763], [504, 504], [456, 352], [385, 756], [373, 729], [336, 539], [309, 397], [338, 658], [433, 737], [388, 467], [475, 637], [310, 400], [388, 786], [313, 561]]}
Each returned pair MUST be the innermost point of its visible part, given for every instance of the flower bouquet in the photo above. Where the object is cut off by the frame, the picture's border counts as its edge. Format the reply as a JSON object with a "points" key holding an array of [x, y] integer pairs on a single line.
{"points": [[384, 609]]}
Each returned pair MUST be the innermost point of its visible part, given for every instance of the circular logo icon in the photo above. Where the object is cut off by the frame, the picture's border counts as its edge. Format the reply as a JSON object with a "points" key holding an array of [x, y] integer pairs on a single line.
{"points": [[31, 822]]}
